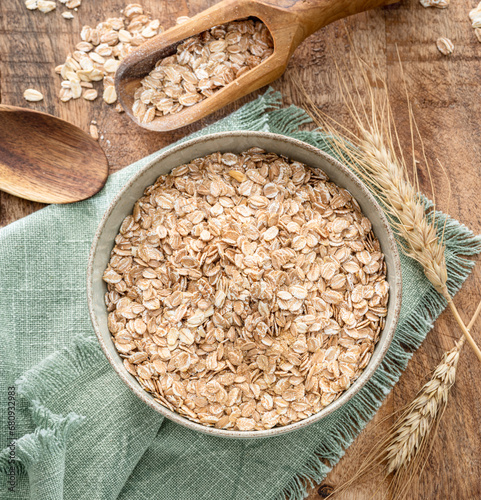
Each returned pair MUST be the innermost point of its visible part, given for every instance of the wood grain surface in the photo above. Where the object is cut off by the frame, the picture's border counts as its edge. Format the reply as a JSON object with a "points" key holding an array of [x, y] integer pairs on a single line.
{"points": [[446, 96]]}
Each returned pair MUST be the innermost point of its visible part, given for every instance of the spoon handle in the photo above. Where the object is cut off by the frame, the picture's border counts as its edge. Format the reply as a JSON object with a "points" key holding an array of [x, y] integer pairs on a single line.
{"points": [[313, 15]]}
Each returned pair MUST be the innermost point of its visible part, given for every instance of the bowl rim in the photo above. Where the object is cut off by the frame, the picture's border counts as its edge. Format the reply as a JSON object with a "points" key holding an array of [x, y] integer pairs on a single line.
{"points": [[386, 335]]}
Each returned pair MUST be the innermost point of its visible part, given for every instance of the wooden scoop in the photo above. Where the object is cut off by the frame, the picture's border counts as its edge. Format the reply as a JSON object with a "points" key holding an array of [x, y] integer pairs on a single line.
{"points": [[46, 159], [289, 22]]}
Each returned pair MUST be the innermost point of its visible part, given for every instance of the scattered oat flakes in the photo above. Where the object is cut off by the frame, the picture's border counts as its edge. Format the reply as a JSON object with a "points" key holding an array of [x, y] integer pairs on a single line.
{"points": [[31, 4], [475, 16], [440, 4], [32, 95], [239, 310], [65, 94], [110, 96], [76, 90], [45, 6], [94, 131], [445, 46], [90, 94], [97, 56], [49, 5], [182, 19], [477, 32], [202, 65]]}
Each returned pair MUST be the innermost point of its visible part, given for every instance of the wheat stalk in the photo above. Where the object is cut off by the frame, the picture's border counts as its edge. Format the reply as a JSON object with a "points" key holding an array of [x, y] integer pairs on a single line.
{"points": [[410, 221], [370, 151], [410, 434], [405, 448]]}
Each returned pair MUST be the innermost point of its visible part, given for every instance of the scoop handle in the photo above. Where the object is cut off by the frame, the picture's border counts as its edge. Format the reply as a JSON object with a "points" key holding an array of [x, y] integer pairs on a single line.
{"points": [[313, 15]]}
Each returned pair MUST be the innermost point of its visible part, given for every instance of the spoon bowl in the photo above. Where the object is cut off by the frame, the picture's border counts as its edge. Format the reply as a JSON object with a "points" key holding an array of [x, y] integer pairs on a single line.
{"points": [[46, 159], [288, 21]]}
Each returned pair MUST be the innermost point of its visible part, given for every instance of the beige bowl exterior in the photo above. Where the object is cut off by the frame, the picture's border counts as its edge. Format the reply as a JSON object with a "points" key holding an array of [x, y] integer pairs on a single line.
{"points": [[237, 142]]}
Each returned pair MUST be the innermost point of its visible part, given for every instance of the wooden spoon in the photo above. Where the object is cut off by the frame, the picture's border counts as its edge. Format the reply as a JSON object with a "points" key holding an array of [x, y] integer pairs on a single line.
{"points": [[46, 159], [289, 22]]}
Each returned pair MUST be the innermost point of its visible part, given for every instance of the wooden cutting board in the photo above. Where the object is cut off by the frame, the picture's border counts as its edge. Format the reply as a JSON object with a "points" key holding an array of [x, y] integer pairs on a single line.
{"points": [[446, 94]]}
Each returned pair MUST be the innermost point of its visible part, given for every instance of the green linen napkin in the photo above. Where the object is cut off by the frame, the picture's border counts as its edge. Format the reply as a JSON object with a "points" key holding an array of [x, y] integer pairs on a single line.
{"points": [[77, 432]]}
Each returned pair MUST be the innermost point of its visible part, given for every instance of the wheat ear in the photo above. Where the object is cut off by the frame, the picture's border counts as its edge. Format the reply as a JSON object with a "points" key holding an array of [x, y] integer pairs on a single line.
{"points": [[370, 151], [405, 448], [410, 438]]}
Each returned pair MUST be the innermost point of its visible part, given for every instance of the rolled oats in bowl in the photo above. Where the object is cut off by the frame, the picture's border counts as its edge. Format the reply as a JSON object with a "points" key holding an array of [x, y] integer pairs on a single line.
{"points": [[246, 291]]}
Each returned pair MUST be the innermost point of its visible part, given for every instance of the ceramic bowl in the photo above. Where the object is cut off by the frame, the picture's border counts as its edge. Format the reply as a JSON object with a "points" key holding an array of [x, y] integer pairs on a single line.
{"points": [[237, 142]]}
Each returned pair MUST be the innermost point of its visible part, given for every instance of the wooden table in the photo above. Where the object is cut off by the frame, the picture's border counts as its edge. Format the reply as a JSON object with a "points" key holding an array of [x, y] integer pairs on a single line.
{"points": [[446, 95]]}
